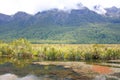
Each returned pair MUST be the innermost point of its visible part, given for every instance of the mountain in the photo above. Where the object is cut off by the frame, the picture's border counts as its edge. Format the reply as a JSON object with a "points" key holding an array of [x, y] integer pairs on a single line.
{"points": [[113, 12], [80, 25], [99, 9], [4, 18]]}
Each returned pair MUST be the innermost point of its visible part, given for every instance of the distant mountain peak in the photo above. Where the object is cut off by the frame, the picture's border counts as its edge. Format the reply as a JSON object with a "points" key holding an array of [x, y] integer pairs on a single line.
{"points": [[99, 9], [112, 9], [80, 6], [20, 14], [113, 12]]}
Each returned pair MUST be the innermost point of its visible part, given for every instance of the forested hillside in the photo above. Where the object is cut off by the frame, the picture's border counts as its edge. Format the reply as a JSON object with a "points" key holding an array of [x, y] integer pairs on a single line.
{"points": [[57, 26]]}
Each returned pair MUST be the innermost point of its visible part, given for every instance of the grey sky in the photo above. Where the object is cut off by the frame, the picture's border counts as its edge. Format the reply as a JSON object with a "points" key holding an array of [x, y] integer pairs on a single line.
{"points": [[33, 6]]}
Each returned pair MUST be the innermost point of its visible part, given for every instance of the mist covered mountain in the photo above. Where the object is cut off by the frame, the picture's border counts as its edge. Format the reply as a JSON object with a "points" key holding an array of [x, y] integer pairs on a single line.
{"points": [[80, 25], [113, 12]]}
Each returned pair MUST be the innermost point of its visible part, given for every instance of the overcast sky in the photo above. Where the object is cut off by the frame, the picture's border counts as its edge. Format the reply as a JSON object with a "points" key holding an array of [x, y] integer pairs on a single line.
{"points": [[33, 6]]}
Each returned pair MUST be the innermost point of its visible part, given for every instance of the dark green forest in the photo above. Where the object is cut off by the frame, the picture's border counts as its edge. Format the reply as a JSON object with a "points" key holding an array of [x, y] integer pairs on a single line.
{"points": [[89, 33], [54, 26]]}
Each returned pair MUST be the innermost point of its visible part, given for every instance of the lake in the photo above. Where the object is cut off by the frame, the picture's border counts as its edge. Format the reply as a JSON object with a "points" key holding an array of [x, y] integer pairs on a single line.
{"points": [[27, 69]]}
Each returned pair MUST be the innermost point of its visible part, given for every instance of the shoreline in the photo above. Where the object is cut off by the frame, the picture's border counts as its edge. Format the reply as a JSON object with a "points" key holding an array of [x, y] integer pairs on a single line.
{"points": [[89, 70]]}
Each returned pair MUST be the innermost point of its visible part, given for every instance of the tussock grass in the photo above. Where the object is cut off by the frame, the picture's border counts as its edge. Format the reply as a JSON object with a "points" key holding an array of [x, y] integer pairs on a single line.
{"points": [[71, 52]]}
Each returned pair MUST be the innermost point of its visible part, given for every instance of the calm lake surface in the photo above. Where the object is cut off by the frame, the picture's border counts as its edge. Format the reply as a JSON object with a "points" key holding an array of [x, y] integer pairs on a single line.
{"points": [[19, 69], [24, 69]]}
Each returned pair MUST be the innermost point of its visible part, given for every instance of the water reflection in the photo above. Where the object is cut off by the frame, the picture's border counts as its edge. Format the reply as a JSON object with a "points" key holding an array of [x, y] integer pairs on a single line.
{"points": [[23, 69], [15, 61], [18, 69], [15, 77]]}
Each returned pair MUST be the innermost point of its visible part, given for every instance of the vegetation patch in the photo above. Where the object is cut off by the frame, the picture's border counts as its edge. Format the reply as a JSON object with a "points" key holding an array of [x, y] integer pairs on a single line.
{"points": [[22, 48]]}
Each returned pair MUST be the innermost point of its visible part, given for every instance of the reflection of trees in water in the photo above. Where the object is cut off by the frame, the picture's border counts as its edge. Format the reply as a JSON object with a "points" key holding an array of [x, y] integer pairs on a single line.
{"points": [[49, 72], [16, 62]]}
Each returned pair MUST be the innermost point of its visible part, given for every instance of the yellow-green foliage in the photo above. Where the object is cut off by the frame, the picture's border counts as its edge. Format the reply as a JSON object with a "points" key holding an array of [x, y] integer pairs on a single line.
{"points": [[78, 52], [20, 47], [23, 48]]}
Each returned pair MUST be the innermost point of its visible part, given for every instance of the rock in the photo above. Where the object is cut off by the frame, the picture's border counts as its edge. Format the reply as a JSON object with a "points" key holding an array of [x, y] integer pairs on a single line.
{"points": [[101, 77]]}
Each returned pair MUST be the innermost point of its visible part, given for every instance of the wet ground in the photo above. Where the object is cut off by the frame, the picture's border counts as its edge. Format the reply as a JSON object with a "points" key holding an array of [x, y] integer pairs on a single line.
{"points": [[39, 72], [92, 71], [14, 69]]}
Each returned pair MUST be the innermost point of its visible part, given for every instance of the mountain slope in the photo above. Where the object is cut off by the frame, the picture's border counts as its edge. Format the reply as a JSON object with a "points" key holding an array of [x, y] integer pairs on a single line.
{"points": [[58, 26]]}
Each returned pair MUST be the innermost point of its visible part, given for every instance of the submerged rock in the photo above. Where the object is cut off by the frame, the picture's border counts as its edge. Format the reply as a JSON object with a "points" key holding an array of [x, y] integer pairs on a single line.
{"points": [[101, 77]]}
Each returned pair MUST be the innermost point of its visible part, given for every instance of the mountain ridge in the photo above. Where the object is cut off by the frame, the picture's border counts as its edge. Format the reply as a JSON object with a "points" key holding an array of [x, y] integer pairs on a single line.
{"points": [[58, 26]]}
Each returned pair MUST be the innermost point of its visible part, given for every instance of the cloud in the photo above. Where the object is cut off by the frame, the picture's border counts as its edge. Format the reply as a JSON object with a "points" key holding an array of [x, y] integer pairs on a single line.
{"points": [[104, 3], [33, 6]]}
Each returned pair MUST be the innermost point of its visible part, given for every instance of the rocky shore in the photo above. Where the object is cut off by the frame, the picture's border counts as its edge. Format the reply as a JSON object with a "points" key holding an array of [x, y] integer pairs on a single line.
{"points": [[92, 71]]}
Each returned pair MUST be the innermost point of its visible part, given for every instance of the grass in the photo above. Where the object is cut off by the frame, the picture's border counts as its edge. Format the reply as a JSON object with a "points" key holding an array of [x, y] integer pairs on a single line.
{"points": [[70, 52], [77, 52]]}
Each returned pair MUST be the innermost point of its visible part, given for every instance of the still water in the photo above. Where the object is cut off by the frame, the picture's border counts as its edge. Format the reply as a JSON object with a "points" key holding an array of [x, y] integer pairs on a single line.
{"points": [[24, 69], [19, 69]]}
